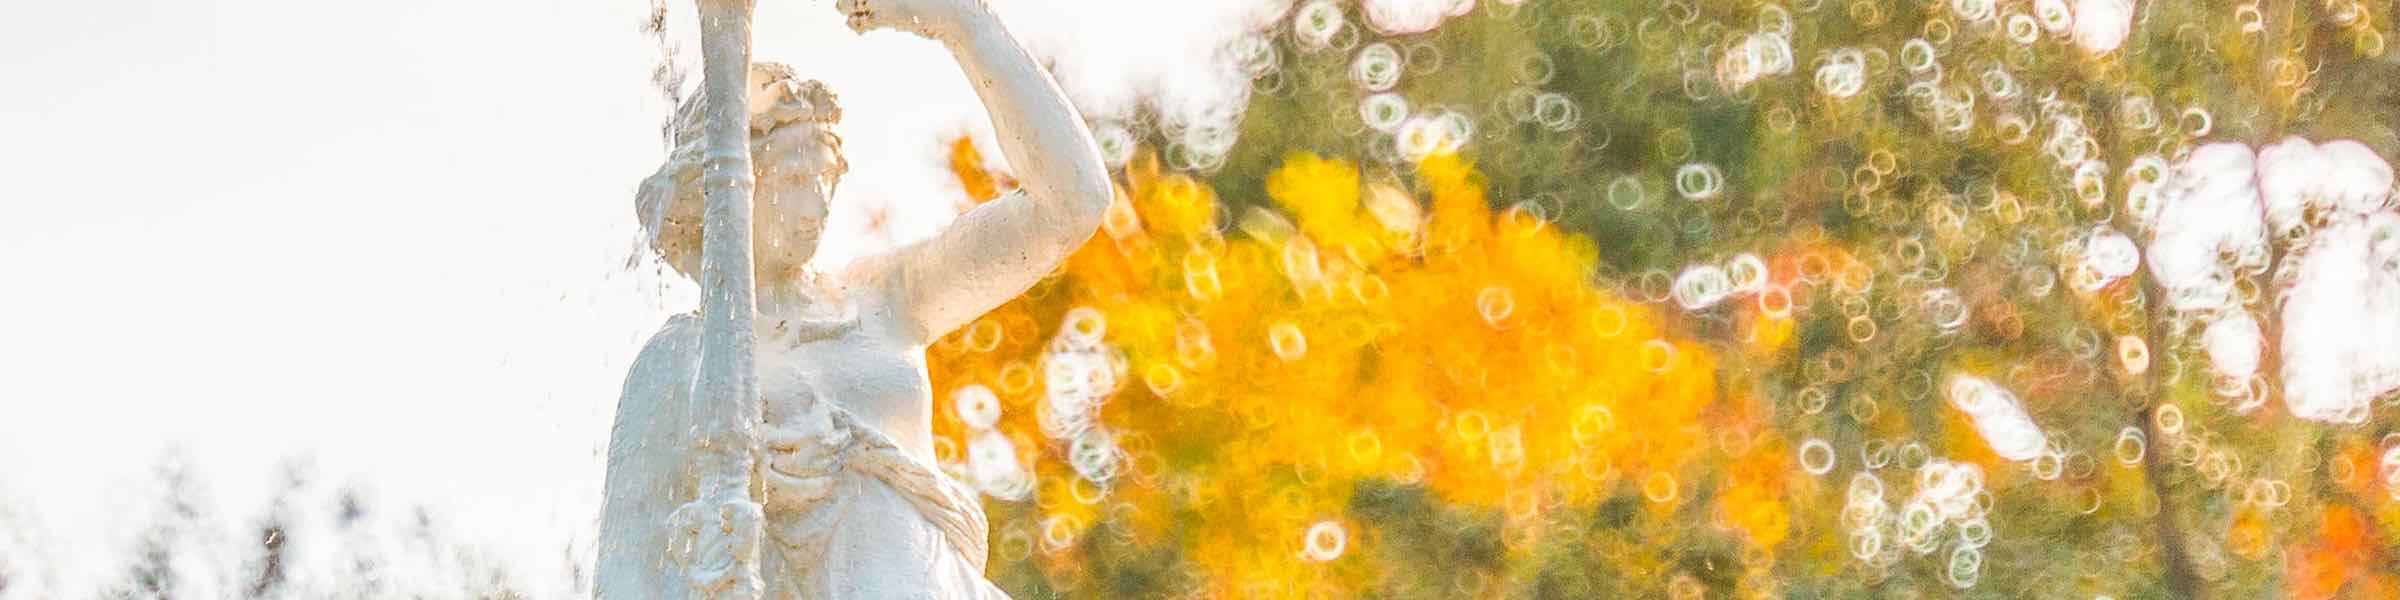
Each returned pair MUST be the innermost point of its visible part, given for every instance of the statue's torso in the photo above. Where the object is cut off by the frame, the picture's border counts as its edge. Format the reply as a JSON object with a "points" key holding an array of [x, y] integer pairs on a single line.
{"points": [[884, 528], [850, 350], [887, 530]]}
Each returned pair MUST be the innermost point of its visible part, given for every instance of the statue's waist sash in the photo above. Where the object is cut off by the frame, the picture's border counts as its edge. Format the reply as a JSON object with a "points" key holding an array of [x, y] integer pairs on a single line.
{"points": [[950, 506]]}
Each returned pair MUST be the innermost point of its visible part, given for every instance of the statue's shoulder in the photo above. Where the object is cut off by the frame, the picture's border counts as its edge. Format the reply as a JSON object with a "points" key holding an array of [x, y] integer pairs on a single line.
{"points": [[866, 273], [679, 325], [862, 287], [883, 276], [679, 332], [668, 357]]}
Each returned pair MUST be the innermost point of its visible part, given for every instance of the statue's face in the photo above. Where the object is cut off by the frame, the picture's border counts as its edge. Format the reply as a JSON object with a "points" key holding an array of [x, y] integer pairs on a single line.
{"points": [[796, 161], [797, 167]]}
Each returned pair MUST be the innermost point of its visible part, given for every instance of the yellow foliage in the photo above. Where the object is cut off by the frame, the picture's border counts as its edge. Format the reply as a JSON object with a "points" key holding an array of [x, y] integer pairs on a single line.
{"points": [[1259, 379], [1754, 502]]}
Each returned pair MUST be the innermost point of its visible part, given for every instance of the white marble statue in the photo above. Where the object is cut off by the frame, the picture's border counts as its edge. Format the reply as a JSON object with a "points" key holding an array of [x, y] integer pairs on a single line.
{"points": [[840, 467]]}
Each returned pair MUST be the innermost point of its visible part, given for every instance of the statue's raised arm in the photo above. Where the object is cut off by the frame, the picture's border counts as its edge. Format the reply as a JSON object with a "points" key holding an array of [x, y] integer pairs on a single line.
{"points": [[995, 252]]}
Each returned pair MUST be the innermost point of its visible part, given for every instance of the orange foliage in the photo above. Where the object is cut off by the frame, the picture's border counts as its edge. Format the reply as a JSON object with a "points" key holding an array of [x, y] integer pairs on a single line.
{"points": [[2342, 556], [1264, 371]]}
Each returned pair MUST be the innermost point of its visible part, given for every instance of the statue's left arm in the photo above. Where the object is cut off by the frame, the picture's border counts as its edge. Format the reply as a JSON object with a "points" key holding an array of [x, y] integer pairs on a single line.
{"points": [[998, 250]]}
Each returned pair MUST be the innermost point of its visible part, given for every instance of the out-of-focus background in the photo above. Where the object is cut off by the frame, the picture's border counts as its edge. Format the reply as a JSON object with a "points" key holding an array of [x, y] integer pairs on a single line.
{"points": [[1401, 298]]}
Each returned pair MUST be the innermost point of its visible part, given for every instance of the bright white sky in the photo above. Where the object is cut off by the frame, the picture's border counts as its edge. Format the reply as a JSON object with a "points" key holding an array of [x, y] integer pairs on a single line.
{"points": [[390, 235]]}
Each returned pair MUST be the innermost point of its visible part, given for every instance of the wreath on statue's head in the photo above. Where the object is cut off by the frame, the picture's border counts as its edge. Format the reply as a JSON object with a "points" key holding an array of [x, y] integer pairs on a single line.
{"points": [[791, 137]]}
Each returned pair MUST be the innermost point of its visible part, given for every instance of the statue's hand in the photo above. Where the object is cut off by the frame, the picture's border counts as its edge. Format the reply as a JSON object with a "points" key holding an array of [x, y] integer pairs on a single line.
{"points": [[934, 19], [712, 543], [800, 464]]}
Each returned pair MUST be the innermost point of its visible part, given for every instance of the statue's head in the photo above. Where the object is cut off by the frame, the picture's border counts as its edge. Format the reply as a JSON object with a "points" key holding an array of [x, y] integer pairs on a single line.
{"points": [[794, 155]]}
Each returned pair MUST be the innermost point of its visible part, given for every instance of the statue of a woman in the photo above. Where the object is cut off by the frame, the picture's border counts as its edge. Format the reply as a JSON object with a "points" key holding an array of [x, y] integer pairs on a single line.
{"points": [[854, 507]]}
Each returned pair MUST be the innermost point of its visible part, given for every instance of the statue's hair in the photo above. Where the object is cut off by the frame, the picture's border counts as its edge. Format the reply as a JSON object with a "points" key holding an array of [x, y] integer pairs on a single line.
{"points": [[790, 136]]}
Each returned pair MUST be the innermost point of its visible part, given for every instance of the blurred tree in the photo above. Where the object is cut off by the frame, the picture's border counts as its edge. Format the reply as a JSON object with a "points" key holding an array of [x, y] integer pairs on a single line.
{"points": [[23, 572], [182, 553], [268, 574], [1874, 274]]}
